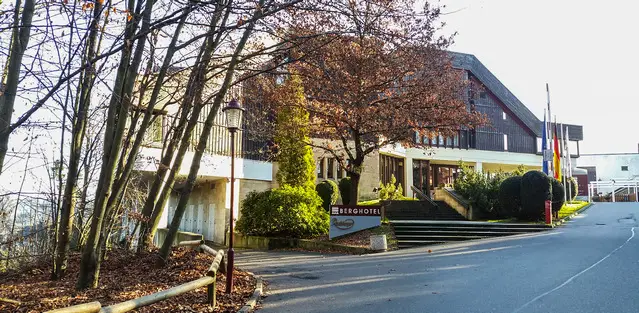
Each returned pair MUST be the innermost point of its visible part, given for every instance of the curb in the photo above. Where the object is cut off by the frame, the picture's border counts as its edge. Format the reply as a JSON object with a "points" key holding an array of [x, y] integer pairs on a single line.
{"points": [[569, 217], [250, 304]]}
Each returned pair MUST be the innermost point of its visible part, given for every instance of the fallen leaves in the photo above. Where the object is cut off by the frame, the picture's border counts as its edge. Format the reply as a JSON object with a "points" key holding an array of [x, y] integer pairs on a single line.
{"points": [[124, 276]]}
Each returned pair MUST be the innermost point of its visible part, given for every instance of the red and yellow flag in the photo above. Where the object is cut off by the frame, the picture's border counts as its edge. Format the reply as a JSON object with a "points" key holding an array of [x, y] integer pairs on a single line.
{"points": [[556, 157]]}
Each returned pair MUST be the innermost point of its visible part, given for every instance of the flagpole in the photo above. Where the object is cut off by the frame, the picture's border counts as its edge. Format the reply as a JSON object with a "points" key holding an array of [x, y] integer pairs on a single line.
{"points": [[549, 129], [562, 156], [569, 167]]}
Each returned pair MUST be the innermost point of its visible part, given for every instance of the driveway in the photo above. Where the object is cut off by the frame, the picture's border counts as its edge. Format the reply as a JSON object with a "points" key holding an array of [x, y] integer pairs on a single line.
{"points": [[589, 265]]}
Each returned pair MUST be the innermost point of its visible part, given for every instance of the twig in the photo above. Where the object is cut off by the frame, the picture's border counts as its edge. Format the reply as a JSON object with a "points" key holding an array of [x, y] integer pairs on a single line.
{"points": [[16, 302]]}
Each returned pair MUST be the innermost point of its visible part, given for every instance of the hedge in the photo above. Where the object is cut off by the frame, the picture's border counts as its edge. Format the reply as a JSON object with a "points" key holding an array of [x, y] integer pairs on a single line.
{"points": [[283, 212], [558, 195], [510, 196], [328, 191], [345, 190], [536, 189]]}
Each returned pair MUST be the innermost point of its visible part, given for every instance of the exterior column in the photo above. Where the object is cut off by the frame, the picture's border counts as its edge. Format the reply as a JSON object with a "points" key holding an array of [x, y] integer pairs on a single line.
{"points": [[479, 166], [408, 175]]}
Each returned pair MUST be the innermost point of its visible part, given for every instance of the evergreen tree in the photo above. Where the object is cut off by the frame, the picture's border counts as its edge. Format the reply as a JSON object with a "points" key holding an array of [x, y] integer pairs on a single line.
{"points": [[295, 157]]}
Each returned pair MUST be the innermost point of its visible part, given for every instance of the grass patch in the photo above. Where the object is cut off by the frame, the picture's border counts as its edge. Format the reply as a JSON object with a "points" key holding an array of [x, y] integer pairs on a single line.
{"points": [[376, 201], [569, 208]]}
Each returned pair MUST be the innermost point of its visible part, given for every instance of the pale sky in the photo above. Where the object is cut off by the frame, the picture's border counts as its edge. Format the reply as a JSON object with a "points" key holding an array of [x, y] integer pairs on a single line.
{"points": [[587, 51]]}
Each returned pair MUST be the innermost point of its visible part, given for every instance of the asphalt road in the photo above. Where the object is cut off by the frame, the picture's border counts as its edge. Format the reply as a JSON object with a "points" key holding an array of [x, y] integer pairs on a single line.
{"points": [[589, 265]]}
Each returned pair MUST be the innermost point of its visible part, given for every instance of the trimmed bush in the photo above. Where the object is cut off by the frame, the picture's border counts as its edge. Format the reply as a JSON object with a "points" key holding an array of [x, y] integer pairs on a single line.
{"points": [[328, 191], [345, 190], [510, 196], [573, 188], [536, 189], [283, 212], [558, 195]]}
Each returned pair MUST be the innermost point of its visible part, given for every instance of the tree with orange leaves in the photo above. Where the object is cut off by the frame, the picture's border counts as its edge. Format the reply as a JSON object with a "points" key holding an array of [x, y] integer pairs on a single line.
{"points": [[379, 80]]}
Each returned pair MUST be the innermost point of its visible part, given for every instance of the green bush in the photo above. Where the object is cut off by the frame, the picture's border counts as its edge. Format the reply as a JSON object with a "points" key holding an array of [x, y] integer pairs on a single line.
{"points": [[573, 188], [510, 196], [345, 190], [558, 195], [283, 212], [536, 189], [327, 190], [481, 190], [390, 191]]}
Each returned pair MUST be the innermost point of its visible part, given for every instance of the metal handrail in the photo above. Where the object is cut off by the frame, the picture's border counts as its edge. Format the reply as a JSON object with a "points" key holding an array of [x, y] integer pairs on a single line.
{"points": [[423, 196]]}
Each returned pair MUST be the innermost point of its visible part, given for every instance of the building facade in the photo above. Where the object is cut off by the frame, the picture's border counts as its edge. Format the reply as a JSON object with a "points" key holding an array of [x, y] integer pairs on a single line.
{"points": [[512, 138]]}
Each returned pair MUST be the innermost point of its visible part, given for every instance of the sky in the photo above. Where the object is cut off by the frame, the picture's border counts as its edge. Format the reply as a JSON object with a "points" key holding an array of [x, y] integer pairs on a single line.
{"points": [[587, 51]]}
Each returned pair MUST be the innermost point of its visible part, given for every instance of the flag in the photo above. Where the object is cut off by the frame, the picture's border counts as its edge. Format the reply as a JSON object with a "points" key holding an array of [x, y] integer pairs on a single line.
{"points": [[556, 155], [544, 146]]}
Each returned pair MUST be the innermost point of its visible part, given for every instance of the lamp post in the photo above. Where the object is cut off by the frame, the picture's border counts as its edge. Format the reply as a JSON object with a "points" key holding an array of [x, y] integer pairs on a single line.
{"points": [[233, 112]]}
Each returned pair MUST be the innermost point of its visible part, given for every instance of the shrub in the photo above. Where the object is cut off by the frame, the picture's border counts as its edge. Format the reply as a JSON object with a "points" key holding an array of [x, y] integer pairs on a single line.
{"points": [[327, 190], [536, 188], [481, 190], [283, 212], [390, 191], [510, 196], [345, 190], [558, 195], [573, 188]]}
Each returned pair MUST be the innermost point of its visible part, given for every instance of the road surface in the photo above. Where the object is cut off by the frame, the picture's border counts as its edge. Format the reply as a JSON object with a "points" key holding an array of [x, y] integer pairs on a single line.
{"points": [[589, 265]]}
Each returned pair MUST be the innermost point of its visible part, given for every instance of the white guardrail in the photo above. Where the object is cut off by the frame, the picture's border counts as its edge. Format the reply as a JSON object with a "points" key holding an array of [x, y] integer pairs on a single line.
{"points": [[610, 186]]}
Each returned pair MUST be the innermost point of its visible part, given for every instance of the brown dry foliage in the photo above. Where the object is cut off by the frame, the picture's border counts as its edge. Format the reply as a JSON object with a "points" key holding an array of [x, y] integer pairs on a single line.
{"points": [[125, 276]]}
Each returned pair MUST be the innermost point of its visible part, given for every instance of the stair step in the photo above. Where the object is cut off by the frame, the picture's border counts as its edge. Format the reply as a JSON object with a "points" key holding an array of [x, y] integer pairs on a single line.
{"points": [[446, 232], [438, 238], [418, 242], [468, 229]]}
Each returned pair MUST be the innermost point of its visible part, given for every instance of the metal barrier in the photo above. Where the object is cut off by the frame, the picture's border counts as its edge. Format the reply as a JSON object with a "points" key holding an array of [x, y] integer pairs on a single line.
{"points": [[612, 186], [208, 280]]}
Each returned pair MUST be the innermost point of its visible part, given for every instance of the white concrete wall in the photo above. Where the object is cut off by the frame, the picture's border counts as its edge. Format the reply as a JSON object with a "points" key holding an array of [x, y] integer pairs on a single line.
{"points": [[609, 165], [215, 166]]}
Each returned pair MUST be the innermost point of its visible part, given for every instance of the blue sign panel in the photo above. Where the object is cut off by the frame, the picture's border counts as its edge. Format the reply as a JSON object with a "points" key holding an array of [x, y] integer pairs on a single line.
{"points": [[347, 219]]}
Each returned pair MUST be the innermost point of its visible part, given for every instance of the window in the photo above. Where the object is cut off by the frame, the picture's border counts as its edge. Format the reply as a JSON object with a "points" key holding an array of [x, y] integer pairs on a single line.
{"points": [[456, 141], [482, 95], [330, 167], [340, 171], [157, 128], [441, 140], [320, 168], [624, 168], [504, 115], [505, 142]]}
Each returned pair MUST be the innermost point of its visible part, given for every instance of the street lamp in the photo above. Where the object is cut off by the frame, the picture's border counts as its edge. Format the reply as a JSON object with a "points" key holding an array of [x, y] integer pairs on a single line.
{"points": [[233, 112]]}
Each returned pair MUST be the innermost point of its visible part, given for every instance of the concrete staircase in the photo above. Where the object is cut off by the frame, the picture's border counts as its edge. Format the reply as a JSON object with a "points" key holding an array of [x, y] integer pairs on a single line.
{"points": [[411, 233]]}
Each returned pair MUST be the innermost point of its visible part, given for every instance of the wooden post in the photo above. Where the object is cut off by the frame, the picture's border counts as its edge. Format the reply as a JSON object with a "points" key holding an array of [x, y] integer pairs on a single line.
{"points": [[210, 293], [190, 243], [91, 307], [208, 250]]}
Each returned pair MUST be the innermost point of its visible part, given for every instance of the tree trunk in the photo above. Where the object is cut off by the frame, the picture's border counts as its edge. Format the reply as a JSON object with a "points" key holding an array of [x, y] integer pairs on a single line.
{"points": [[355, 177], [9, 85], [155, 208], [65, 226], [116, 124], [201, 146]]}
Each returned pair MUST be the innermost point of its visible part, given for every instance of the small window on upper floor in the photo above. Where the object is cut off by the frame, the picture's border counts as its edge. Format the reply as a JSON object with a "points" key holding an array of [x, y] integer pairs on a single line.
{"points": [[504, 115], [320, 168], [505, 142], [483, 95], [624, 168]]}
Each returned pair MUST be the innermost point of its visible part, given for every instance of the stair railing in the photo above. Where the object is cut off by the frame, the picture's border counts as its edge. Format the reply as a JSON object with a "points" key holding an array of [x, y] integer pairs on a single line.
{"points": [[422, 196]]}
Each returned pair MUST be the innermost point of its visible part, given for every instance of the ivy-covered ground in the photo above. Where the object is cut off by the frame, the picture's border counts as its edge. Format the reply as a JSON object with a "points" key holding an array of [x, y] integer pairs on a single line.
{"points": [[124, 276]]}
